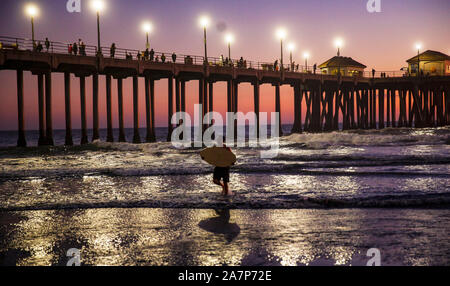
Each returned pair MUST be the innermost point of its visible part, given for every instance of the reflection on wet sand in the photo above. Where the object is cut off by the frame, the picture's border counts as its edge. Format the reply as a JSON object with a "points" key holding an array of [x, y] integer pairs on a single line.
{"points": [[221, 225], [224, 237]]}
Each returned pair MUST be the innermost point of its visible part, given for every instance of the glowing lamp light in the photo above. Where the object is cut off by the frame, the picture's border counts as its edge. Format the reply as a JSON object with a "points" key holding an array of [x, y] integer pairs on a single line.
{"points": [[291, 47], [97, 5], [338, 43], [229, 38], [204, 21], [418, 46], [281, 33], [147, 27], [306, 55], [31, 10]]}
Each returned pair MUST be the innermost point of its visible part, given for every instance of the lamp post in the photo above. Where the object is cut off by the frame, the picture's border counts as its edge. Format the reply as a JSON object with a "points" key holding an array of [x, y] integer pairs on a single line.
{"points": [[281, 34], [338, 42], [147, 28], [418, 47], [229, 39], [291, 48], [306, 56], [204, 22], [98, 6], [32, 11]]}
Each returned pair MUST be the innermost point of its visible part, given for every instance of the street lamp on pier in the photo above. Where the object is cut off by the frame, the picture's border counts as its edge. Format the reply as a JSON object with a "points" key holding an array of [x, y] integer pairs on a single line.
{"points": [[339, 43], [32, 11], [229, 39], [306, 56], [147, 27], [418, 47], [204, 22], [291, 48], [98, 6], [281, 35]]}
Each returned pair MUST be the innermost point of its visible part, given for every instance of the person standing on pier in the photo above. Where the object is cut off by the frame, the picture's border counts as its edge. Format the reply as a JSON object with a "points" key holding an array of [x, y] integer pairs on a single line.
{"points": [[75, 49], [174, 58], [152, 55], [113, 50], [47, 44]]}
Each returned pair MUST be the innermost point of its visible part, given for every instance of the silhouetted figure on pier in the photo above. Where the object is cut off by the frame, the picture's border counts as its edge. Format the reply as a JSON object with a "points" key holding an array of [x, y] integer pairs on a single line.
{"points": [[163, 58], [152, 55], [241, 62], [174, 58], [70, 49], [373, 73], [112, 50], [146, 55], [75, 49], [82, 50], [275, 65], [139, 55], [47, 44], [156, 59], [39, 47], [315, 68]]}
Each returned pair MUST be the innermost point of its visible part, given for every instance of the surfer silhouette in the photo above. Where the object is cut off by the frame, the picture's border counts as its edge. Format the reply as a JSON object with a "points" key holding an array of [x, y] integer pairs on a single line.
{"points": [[222, 161]]}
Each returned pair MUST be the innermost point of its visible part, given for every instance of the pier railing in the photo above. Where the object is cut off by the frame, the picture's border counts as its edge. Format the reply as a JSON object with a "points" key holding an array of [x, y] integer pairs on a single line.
{"points": [[43, 46]]}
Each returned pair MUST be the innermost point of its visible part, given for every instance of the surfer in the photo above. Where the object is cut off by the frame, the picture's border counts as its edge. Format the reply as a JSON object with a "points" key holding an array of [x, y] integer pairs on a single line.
{"points": [[222, 176], [222, 158]]}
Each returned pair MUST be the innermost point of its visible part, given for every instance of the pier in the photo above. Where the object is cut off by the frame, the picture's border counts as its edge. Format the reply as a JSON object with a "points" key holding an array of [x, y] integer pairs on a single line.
{"points": [[359, 102]]}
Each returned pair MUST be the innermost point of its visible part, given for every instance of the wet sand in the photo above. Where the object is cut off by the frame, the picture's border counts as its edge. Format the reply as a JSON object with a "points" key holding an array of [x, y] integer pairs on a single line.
{"points": [[145, 236]]}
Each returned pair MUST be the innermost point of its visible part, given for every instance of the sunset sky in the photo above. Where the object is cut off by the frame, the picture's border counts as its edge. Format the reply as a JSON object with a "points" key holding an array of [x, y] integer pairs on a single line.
{"points": [[383, 41]]}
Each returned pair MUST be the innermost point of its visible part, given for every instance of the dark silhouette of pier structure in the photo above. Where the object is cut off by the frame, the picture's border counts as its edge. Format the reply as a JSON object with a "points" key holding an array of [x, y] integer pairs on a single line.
{"points": [[361, 102]]}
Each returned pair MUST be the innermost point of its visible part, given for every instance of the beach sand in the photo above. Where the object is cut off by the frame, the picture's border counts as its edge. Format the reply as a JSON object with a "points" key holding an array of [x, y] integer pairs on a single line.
{"points": [[138, 236]]}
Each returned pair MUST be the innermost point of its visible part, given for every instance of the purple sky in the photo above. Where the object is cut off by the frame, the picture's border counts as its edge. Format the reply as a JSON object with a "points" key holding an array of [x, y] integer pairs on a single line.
{"points": [[380, 40]]}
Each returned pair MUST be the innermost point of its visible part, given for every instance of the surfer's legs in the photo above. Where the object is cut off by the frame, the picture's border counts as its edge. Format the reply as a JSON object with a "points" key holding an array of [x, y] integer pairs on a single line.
{"points": [[226, 190], [218, 182]]}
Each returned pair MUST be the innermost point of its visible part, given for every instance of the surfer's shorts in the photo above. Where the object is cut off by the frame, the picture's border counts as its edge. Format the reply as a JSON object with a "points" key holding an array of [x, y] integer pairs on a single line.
{"points": [[222, 174]]}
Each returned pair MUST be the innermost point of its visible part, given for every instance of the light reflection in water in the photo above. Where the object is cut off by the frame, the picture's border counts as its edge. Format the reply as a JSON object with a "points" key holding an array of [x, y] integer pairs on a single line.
{"points": [[207, 237]]}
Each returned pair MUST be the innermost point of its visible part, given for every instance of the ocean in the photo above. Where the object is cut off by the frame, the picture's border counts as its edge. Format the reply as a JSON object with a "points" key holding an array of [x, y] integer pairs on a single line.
{"points": [[325, 199]]}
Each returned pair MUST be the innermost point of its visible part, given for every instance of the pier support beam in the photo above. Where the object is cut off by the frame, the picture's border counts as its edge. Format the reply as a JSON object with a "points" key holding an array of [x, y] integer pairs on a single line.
{"points": [[120, 105], [205, 100], [136, 136], [152, 108], [278, 107], [381, 96], [393, 98], [69, 140], [297, 128], [41, 106], [183, 100], [21, 142], [200, 102], [170, 102], [84, 137], [256, 102], [95, 117], [229, 96], [177, 100], [148, 113], [235, 100], [109, 136], [388, 108], [211, 100], [48, 108]]}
